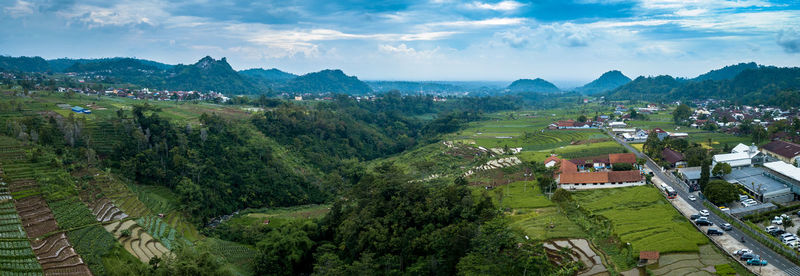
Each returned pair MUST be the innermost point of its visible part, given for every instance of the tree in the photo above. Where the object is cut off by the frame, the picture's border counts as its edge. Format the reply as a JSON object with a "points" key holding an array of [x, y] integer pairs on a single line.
{"points": [[582, 118], [704, 175], [652, 146], [721, 169], [546, 183], [284, 249], [787, 222], [561, 195], [622, 167], [720, 192], [695, 156], [681, 114], [759, 134]]}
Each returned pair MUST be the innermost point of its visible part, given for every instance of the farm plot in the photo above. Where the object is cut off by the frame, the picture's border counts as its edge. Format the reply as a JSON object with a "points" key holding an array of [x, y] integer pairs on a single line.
{"points": [[92, 243], [136, 240], [495, 164], [17, 258], [241, 256], [71, 213], [641, 216], [120, 195], [10, 224], [102, 208], [102, 135], [36, 216], [57, 256], [161, 231]]}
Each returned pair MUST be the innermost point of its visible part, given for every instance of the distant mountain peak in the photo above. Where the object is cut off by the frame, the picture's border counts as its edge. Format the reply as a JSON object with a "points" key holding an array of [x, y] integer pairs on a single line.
{"points": [[728, 72], [207, 62], [607, 81], [327, 81], [532, 85]]}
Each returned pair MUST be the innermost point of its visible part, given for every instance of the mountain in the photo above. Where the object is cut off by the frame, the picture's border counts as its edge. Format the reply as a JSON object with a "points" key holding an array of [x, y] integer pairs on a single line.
{"points": [[727, 72], [208, 74], [63, 64], [24, 64], [326, 81], [643, 88], [115, 66], [269, 75], [608, 81], [535, 85]]}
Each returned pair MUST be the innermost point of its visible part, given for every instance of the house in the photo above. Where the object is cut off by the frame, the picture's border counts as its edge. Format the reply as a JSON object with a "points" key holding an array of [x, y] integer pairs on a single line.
{"points": [[627, 158], [604, 162], [674, 158], [551, 161], [691, 177], [678, 135], [648, 257], [784, 151], [595, 180], [638, 136], [737, 160], [661, 134], [756, 157]]}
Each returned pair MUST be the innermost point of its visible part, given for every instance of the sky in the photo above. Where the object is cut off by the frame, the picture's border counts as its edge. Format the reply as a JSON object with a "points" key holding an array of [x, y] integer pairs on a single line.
{"points": [[568, 42]]}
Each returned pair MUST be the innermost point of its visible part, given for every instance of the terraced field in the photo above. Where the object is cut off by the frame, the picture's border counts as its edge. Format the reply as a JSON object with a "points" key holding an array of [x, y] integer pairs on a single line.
{"points": [[120, 195], [234, 253], [16, 255], [92, 243], [102, 208], [160, 230], [57, 257], [102, 136], [36, 216], [138, 242]]}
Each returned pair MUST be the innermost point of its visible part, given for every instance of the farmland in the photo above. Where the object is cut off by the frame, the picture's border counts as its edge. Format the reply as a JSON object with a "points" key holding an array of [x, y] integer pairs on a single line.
{"points": [[136, 241], [640, 215]]}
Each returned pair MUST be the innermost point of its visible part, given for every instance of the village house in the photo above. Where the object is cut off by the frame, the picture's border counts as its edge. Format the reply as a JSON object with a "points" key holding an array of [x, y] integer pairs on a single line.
{"points": [[570, 177], [674, 158], [783, 151]]}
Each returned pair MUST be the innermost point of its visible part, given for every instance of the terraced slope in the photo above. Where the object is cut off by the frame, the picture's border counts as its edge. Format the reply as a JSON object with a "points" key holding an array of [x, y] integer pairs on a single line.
{"points": [[120, 195], [16, 255], [57, 257], [138, 242], [36, 216], [102, 208]]}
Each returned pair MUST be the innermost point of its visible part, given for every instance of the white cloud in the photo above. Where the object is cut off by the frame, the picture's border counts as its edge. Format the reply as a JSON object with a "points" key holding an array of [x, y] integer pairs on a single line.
{"points": [[564, 34], [19, 9], [789, 40], [491, 22], [690, 12], [120, 14], [406, 51], [500, 6]]}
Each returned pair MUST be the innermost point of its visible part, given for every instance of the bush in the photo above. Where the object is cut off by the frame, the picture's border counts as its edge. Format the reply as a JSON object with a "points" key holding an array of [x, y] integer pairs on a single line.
{"points": [[561, 195]]}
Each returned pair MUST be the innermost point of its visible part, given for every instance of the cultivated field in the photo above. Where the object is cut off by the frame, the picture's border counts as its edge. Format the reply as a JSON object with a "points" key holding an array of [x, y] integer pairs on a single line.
{"points": [[640, 215], [136, 241], [57, 256]]}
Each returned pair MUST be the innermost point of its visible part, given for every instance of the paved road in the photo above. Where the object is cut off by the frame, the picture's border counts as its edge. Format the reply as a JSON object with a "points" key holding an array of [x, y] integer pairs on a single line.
{"points": [[774, 258]]}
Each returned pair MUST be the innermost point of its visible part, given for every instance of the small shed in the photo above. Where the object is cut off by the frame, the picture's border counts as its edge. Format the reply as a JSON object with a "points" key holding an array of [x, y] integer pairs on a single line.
{"points": [[648, 257]]}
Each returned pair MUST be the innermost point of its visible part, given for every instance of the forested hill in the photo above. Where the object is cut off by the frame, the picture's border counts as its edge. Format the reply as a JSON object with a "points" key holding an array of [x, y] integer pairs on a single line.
{"points": [[764, 85], [326, 81], [608, 81], [727, 72], [23, 64], [532, 85], [266, 77]]}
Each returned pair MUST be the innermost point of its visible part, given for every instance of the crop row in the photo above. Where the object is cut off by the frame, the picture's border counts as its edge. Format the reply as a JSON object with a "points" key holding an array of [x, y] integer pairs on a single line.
{"points": [[92, 243]]}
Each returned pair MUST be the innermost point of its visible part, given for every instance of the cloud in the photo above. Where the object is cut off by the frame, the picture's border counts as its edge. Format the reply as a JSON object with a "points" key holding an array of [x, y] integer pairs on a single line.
{"points": [[119, 14], [20, 9], [404, 50], [789, 40], [564, 34], [690, 12], [500, 6], [491, 22]]}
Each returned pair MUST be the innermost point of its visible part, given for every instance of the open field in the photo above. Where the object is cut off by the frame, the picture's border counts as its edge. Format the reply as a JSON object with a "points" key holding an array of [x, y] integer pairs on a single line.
{"points": [[640, 215]]}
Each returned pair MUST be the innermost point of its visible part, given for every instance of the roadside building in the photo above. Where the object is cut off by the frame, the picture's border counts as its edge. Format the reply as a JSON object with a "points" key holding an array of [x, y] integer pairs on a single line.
{"points": [[756, 156], [785, 173], [674, 158], [597, 180], [617, 124], [784, 151], [691, 177], [661, 134], [762, 183], [737, 160]]}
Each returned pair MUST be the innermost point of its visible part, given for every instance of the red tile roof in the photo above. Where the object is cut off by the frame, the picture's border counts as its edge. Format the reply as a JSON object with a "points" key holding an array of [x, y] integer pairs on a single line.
{"points": [[624, 176], [551, 158], [629, 158], [600, 177], [648, 255], [671, 156]]}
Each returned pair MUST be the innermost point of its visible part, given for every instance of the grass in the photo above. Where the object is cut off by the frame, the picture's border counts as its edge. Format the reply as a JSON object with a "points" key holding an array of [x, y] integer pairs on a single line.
{"points": [[239, 256], [641, 216]]}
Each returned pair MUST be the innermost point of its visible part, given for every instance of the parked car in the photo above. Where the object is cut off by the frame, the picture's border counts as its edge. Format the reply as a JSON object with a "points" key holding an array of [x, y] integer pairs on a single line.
{"points": [[785, 236], [785, 216], [726, 226], [694, 217], [789, 241], [777, 232], [742, 251], [771, 228], [714, 231], [704, 212], [747, 256], [703, 222], [743, 197], [692, 198], [777, 220], [757, 261]]}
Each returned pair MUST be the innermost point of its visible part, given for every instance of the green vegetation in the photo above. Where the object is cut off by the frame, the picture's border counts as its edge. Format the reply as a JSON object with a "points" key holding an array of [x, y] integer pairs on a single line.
{"points": [[641, 216]]}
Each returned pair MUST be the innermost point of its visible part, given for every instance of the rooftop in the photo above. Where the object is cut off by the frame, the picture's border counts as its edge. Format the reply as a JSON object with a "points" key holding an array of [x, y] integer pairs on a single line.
{"points": [[734, 159], [600, 177], [671, 155], [691, 173], [629, 158], [756, 179], [784, 169], [648, 255], [785, 149]]}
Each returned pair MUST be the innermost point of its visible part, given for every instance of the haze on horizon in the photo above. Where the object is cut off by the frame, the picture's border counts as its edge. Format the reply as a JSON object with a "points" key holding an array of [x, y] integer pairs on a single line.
{"points": [[567, 42]]}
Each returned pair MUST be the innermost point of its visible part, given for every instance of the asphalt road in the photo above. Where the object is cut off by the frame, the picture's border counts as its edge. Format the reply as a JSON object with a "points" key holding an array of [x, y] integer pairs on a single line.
{"points": [[771, 256]]}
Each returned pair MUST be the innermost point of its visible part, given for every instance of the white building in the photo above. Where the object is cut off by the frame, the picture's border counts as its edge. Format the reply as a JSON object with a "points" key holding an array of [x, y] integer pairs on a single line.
{"points": [[736, 160], [617, 124]]}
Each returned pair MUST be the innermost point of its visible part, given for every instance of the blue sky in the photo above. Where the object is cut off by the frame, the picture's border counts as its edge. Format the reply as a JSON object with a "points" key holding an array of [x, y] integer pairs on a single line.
{"points": [[567, 42]]}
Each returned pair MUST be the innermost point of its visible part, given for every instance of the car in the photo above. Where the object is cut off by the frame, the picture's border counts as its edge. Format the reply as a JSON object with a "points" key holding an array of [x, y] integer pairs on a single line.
{"points": [[714, 232], [777, 221], [694, 217], [704, 212], [743, 197], [724, 209], [798, 213], [771, 228], [785, 216], [785, 236], [777, 232], [751, 202], [747, 256], [703, 222], [742, 251], [757, 261], [692, 198], [726, 226]]}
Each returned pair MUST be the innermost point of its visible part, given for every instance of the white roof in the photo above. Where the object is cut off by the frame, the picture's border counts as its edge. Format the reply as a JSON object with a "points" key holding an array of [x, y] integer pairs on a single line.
{"points": [[740, 148], [617, 124], [623, 129], [734, 159], [784, 169]]}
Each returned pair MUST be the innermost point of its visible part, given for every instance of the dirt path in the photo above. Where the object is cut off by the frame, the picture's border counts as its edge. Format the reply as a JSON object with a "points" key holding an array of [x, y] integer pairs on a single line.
{"points": [[726, 242]]}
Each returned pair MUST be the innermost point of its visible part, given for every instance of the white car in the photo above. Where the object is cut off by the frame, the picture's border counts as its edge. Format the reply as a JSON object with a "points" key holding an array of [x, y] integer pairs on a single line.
{"points": [[742, 251], [777, 221], [771, 228], [692, 198], [704, 212]]}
